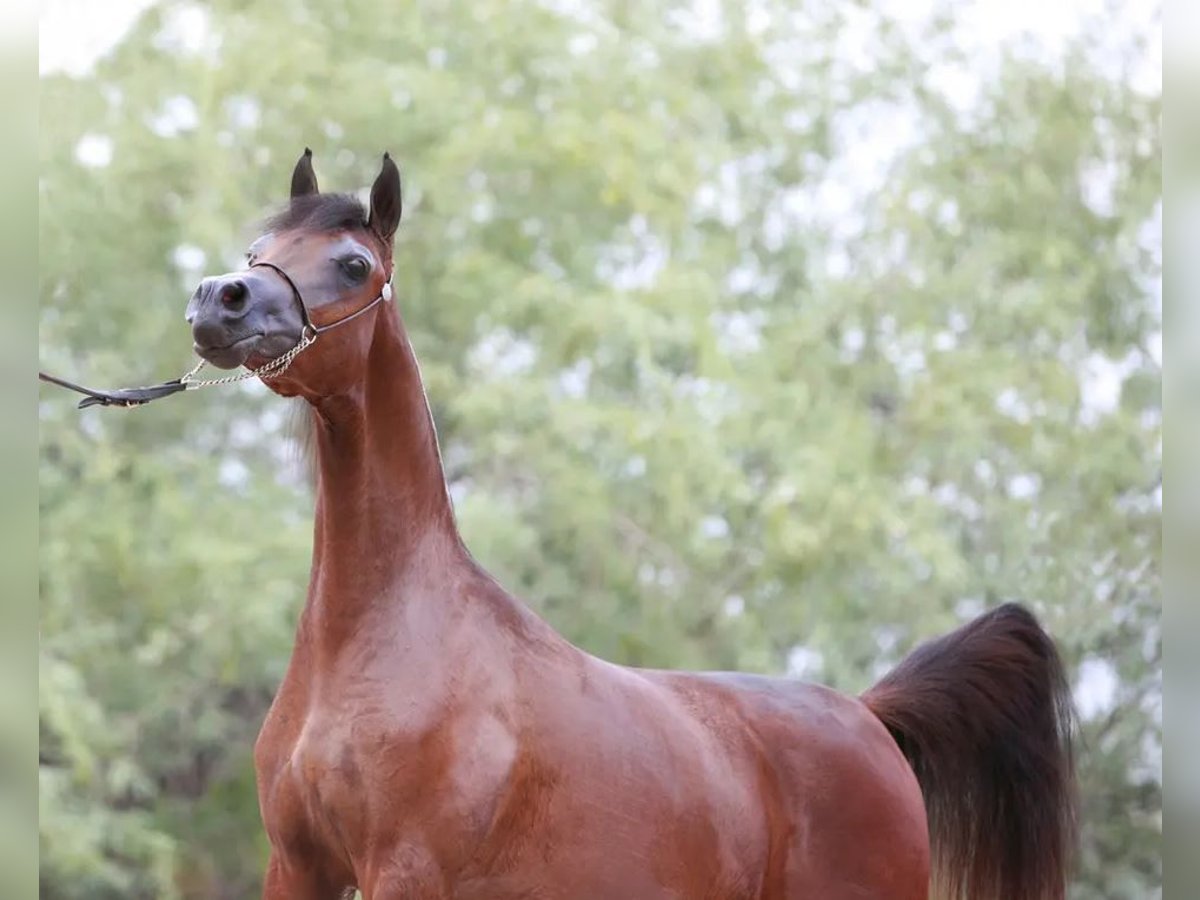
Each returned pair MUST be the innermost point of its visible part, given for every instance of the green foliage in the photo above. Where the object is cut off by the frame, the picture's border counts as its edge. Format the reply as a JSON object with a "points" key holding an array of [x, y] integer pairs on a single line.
{"points": [[697, 406]]}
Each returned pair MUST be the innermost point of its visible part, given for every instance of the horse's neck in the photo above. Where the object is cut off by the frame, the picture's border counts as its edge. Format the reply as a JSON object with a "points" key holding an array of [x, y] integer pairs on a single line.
{"points": [[385, 529]]}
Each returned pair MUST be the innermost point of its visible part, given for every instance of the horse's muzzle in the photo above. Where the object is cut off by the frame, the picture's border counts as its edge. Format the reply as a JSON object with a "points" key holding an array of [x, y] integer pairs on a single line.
{"points": [[234, 316]]}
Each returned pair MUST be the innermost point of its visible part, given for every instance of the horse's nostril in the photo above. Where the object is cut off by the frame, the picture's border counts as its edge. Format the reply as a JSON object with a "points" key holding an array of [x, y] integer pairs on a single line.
{"points": [[234, 293]]}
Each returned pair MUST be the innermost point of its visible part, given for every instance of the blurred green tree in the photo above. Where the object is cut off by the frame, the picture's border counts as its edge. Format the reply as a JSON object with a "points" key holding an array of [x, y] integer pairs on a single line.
{"points": [[751, 344]]}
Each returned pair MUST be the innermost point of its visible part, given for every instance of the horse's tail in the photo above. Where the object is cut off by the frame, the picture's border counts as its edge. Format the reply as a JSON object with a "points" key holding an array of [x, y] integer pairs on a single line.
{"points": [[984, 717]]}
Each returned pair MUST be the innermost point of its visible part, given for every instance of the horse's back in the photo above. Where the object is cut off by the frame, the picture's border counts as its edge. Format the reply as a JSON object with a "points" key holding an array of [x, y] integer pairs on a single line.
{"points": [[846, 813]]}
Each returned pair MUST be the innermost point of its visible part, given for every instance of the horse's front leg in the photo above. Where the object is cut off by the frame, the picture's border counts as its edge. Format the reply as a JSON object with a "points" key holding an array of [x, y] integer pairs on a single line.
{"points": [[408, 872], [293, 880]]}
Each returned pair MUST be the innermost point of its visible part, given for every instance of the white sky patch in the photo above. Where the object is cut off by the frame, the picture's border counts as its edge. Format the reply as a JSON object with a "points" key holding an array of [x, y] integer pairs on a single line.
{"points": [[178, 114], [1052, 22], [1150, 239], [739, 332], [483, 210], [91, 426], [742, 279], [233, 473], [1100, 383], [906, 356], [837, 264], [985, 472], [501, 353], [983, 25], [245, 432], [1154, 346], [271, 419], [959, 85], [945, 341], [74, 34], [255, 387], [1009, 402], [95, 151], [969, 607], [243, 111], [804, 662], [187, 31], [582, 44], [635, 261], [1096, 689], [702, 23], [948, 495], [1097, 186], [574, 380], [189, 258], [635, 467], [853, 341], [1024, 486]]}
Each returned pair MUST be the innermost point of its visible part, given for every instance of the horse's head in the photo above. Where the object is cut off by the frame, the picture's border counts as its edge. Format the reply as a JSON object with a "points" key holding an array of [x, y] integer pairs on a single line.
{"points": [[320, 263]]}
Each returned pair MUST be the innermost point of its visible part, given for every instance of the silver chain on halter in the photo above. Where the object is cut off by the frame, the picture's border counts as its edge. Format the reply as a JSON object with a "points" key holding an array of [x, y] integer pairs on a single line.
{"points": [[272, 369]]}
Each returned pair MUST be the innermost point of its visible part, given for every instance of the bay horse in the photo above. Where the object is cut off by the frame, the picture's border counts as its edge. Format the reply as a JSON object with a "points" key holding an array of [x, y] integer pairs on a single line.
{"points": [[434, 738]]}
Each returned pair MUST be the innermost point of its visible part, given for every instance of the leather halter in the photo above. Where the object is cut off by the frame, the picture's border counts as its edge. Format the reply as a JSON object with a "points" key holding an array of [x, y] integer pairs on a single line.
{"points": [[139, 396], [385, 294]]}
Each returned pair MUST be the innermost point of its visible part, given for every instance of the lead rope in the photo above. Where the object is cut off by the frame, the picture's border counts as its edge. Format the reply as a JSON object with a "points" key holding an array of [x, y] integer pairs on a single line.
{"points": [[133, 397]]}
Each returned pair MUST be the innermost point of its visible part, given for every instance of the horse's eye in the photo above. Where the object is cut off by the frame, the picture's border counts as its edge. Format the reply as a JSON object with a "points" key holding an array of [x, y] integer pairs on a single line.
{"points": [[356, 267]]}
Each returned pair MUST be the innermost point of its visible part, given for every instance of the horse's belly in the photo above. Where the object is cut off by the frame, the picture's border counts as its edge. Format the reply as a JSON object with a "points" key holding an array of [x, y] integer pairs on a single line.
{"points": [[579, 883], [616, 868], [593, 837]]}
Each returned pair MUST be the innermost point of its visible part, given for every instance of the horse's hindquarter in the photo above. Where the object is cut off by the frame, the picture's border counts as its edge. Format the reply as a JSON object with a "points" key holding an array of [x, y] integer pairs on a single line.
{"points": [[848, 815]]}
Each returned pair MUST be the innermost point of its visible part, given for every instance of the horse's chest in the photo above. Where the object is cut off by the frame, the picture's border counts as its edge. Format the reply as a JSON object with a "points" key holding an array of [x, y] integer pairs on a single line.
{"points": [[351, 781], [308, 784]]}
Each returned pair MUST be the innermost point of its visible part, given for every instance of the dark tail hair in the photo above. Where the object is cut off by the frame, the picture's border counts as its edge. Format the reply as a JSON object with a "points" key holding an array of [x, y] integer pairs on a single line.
{"points": [[984, 717]]}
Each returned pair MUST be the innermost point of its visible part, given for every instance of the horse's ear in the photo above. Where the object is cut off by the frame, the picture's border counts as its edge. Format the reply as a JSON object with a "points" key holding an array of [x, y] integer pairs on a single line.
{"points": [[304, 179], [385, 200]]}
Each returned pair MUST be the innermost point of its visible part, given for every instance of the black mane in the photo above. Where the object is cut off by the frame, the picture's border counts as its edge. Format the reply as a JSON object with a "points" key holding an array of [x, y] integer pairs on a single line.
{"points": [[320, 213]]}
